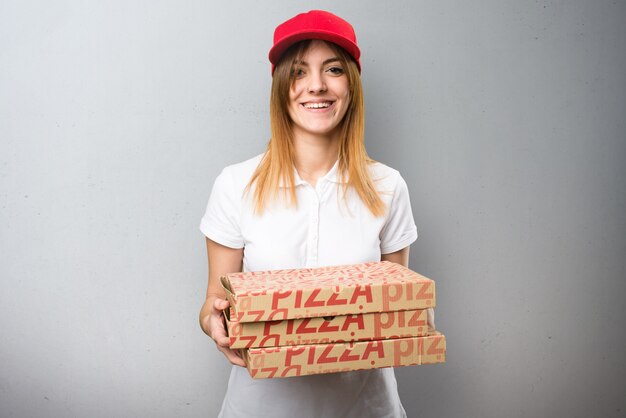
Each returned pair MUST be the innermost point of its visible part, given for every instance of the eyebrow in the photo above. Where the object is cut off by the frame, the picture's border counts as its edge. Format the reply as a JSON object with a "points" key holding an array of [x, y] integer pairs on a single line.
{"points": [[328, 61]]}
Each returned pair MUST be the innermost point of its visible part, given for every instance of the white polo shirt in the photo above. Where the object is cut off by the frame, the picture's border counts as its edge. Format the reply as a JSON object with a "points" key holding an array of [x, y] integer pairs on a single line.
{"points": [[325, 229]]}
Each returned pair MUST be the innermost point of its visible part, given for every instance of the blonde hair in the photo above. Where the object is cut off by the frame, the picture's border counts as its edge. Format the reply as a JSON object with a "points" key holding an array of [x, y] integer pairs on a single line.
{"points": [[277, 166]]}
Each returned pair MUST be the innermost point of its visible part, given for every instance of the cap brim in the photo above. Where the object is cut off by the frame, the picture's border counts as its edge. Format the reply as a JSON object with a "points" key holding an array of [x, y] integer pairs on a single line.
{"points": [[281, 46]]}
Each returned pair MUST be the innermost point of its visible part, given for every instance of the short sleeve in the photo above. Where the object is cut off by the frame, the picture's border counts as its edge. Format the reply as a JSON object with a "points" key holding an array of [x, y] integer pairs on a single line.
{"points": [[221, 221], [399, 230]]}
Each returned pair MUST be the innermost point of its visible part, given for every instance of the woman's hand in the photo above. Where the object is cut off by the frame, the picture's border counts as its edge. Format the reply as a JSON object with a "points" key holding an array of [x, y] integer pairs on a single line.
{"points": [[222, 260], [213, 325]]}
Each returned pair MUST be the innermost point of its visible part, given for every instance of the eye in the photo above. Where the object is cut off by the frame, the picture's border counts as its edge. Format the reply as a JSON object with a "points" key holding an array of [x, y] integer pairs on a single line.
{"points": [[335, 70], [297, 72]]}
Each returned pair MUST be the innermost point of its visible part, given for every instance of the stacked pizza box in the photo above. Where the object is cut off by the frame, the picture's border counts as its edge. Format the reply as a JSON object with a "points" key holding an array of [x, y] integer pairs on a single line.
{"points": [[331, 319]]}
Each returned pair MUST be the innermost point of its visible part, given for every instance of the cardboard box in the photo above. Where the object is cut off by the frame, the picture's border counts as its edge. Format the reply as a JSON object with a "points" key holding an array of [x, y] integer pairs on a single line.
{"points": [[341, 328], [327, 291], [340, 357]]}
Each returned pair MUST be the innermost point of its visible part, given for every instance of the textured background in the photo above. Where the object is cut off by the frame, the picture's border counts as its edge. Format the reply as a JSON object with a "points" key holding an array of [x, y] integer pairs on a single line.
{"points": [[506, 119]]}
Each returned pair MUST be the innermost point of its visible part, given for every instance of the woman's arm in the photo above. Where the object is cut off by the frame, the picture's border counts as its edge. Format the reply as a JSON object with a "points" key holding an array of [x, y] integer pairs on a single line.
{"points": [[402, 257], [222, 260], [399, 257]]}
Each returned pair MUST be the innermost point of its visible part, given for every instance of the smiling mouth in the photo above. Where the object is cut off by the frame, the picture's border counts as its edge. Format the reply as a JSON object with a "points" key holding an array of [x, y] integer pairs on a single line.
{"points": [[321, 105]]}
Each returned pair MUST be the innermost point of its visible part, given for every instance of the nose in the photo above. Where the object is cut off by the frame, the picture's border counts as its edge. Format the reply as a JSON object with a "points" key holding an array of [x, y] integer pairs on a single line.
{"points": [[317, 83]]}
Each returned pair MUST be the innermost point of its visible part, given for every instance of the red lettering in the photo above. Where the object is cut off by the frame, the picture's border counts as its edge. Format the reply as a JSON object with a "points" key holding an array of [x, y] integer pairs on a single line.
{"points": [[347, 357], [401, 319], [361, 291], [264, 341], [434, 346], [423, 292], [324, 357], [259, 314], [302, 328], [353, 319], [258, 360], [311, 302], [298, 303], [279, 295], [391, 293], [296, 368], [291, 353], [268, 325], [271, 371], [379, 324], [275, 314], [325, 327], [399, 352], [374, 346], [409, 291], [333, 300], [250, 340], [416, 319]]}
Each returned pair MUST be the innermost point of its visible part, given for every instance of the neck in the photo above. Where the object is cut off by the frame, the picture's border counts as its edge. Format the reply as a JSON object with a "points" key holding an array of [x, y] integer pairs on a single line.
{"points": [[315, 155]]}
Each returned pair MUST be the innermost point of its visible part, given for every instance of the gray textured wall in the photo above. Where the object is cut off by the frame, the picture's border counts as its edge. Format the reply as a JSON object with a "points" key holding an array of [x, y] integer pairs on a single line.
{"points": [[505, 117]]}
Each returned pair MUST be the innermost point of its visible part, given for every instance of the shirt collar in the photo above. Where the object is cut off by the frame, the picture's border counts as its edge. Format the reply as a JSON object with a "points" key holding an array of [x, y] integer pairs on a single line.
{"points": [[332, 176]]}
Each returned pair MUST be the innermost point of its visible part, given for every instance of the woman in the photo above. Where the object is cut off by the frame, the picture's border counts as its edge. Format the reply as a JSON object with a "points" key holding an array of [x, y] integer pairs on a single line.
{"points": [[314, 198]]}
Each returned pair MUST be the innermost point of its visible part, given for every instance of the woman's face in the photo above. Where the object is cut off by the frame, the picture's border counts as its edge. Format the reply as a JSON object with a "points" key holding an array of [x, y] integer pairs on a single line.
{"points": [[320, 94]]}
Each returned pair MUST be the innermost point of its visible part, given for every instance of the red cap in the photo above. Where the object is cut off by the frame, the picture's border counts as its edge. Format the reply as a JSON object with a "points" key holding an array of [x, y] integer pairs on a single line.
{"points": [[316, 24]]}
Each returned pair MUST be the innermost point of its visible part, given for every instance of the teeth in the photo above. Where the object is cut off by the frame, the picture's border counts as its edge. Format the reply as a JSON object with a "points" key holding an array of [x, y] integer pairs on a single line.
{"points": [[316, 105]]}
